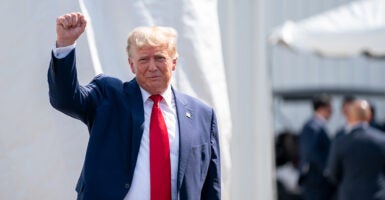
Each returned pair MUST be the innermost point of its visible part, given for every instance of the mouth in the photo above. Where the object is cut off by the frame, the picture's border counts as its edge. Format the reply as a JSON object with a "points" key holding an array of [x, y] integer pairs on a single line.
{"points": [[154, 78]]}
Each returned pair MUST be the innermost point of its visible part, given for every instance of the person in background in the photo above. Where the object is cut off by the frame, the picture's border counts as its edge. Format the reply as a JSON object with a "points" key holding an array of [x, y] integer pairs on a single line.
{"points": [[357, 160], [346, 103], [314, 144], [286, 160], [286, 148], [372, 119]]}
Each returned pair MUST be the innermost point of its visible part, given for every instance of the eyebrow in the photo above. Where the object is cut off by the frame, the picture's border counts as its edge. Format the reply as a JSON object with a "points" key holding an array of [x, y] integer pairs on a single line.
{"points": [[159, 56]]}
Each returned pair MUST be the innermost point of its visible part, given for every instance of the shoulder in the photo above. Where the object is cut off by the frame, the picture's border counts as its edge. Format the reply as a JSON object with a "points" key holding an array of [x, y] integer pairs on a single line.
{"points": [[107, 80], [107, 83], [367, 136], [197, 107], [375, 134], [312, 125], [191, 102]]}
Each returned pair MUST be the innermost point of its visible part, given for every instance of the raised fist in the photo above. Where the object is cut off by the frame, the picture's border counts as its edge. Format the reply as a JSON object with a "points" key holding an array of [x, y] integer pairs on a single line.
{"points": [[68, 28]]}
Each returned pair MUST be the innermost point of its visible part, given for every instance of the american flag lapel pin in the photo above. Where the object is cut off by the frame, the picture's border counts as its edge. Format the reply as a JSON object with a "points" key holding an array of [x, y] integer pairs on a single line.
{"points": [[188, 114]]}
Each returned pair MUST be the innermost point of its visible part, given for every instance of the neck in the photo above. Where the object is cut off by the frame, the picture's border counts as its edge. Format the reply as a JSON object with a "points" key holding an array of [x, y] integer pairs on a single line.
{"points": [[320, 115], [355, 123]]}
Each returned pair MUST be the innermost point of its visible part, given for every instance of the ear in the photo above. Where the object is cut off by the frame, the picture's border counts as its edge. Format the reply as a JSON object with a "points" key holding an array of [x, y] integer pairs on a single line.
{"points": [[133, 70], [174, 62]]}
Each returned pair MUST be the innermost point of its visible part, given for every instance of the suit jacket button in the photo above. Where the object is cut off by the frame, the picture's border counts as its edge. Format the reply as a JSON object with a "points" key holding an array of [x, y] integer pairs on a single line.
{"points": [[126, 185]]}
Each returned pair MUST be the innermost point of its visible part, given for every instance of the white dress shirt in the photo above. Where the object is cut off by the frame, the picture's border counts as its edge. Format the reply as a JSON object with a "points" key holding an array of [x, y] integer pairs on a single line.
{"points": [[140, 186], [62, 52]]}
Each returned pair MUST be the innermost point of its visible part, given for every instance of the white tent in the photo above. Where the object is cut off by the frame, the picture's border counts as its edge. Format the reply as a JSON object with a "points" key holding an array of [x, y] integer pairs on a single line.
{"points": [[42, 150], [349, 30]]}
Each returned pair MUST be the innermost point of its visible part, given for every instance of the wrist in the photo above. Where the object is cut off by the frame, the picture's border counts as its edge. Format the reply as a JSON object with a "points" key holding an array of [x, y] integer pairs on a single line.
{"points": [[64, 43]]}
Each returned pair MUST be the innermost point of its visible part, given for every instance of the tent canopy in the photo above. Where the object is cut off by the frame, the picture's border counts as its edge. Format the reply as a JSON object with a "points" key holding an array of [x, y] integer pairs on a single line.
{"points": [[350, 30]]}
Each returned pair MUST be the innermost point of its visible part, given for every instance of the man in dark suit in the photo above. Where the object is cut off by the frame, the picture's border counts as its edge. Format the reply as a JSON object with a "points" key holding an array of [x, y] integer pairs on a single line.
{"points": [[357, 160], [372, 120], [147, 141], [314, 144]]}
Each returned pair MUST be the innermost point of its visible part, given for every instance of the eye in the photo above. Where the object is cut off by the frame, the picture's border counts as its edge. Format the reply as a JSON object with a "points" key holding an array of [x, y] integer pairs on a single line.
{"points": [[143, 60], [160, 58]]}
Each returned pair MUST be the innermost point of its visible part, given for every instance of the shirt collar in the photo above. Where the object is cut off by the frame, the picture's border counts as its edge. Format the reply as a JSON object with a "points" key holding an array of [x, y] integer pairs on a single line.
{"points": [[320, 118], [350, 128], [167, 95]]}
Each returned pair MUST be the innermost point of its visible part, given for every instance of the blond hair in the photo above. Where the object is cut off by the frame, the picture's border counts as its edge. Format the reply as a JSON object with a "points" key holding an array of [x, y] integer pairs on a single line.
{"points": [[154, 36]]}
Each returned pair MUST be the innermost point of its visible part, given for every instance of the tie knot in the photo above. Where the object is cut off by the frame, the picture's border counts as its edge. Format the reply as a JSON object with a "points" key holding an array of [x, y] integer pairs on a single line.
{"points": [[156, 98]]}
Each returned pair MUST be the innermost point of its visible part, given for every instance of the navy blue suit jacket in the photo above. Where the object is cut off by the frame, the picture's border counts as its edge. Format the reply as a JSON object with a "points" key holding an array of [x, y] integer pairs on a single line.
{"points": [[314, 145], [340, 132], [113, 111], [357, 164]]}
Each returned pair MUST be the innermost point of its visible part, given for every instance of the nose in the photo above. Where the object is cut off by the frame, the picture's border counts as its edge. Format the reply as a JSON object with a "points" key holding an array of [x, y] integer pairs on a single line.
{"points": [[152, 65]]}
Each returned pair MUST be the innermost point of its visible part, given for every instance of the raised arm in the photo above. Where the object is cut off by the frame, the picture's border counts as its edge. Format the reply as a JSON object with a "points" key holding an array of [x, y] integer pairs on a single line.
{"points": [[66, 95]]}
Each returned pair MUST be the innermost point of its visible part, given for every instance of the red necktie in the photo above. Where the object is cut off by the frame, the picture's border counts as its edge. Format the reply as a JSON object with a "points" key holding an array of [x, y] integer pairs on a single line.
{"points": [[160, 167]]}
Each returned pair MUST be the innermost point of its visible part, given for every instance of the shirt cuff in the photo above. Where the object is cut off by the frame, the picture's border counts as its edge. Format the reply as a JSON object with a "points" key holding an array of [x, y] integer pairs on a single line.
{"points": [[62, 52]]}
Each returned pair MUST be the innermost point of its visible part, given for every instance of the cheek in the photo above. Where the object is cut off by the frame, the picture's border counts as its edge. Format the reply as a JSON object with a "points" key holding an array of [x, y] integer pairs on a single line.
{"points": [[139, 69], [170, 67], [168, 70]]}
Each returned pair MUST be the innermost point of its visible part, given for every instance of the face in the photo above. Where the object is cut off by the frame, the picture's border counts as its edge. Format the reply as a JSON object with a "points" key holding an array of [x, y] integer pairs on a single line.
{"points": [[346, 109], [153, 67], [328, 112]]}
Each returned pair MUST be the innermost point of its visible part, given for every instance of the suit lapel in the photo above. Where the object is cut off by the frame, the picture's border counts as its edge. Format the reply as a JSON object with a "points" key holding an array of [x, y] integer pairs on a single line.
{"points": [[135, 103], [185, 117]]}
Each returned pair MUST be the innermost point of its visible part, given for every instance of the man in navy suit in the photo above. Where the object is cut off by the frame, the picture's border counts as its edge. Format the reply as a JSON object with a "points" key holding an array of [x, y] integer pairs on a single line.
{"points": [[357, 159], [314, 144], [121, 151]]}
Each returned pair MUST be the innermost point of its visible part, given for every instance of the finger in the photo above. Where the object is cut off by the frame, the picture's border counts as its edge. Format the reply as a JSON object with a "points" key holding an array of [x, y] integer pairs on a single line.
{"points": [[82, 20], [61, 22], [70, 21], [67, 21], [74, 20], [77, 17]]}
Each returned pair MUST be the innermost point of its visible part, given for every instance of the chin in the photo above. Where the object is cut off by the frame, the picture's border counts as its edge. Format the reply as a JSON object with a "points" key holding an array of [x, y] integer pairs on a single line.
{"points": [[154, 89]]}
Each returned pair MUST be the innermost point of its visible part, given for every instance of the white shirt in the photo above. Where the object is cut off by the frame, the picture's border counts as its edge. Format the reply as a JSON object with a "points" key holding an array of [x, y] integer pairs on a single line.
{"points": [[62, 52], [140, 186]]}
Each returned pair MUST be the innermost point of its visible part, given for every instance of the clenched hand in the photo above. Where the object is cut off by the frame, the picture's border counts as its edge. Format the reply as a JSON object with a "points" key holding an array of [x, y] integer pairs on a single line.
{"points": [[68, 28]]}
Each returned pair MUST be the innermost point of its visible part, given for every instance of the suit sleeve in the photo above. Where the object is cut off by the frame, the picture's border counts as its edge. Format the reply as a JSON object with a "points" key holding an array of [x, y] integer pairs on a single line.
{"points": [[212, 186], [314, 148], [65, 93]]}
